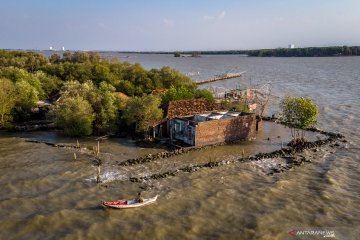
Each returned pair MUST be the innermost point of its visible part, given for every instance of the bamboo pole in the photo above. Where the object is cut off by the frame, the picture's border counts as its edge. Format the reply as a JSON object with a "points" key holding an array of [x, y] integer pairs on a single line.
{"points": [[98, 149], [98, 171]]}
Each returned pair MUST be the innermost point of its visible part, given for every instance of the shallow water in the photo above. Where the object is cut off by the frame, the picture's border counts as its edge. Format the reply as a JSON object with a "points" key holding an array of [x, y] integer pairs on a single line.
{"points": [[46, 194]]}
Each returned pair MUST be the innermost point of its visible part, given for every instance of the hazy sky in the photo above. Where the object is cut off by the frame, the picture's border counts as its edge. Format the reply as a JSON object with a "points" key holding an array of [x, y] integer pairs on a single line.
{"points": [[177, 24]]}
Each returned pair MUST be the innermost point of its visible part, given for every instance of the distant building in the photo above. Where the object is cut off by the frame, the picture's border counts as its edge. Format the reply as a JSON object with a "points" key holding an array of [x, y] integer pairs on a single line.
{"points": [[63, 48], [51, 48], [291, 45]]}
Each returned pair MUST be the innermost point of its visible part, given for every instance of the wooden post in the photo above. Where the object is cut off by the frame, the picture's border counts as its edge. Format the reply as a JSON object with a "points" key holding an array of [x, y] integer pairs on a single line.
{"points": [[74, 156], [98, 171], [171, 134], [242, 153], [98, 149]]}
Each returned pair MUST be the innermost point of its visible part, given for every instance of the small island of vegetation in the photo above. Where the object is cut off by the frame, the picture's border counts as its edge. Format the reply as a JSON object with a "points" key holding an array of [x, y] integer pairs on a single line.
{"points": [[335, 51], [86, 94]]}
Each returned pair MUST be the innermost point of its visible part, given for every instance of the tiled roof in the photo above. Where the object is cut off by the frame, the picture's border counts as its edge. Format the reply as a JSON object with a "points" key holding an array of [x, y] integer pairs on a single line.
{"points": [[182, 108], [122, 95], [159, 91]]}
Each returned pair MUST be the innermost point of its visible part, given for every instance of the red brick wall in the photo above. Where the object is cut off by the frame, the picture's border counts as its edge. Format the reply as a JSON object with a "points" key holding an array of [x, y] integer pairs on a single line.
{"points": [[259, 124], [224, 130]]}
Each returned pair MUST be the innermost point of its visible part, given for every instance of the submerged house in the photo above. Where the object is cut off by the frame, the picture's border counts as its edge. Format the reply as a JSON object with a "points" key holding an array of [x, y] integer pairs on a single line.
{"points": [[212, 128], [199, 122]]}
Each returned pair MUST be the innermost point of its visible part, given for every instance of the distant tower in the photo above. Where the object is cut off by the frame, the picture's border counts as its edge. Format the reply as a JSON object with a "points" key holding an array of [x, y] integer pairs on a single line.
{"points": [[63, 48], [291, 45]]}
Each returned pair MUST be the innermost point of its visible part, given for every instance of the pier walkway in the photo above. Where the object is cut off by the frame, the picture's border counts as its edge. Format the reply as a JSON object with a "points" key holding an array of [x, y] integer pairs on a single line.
{"points": [[219, 78]]}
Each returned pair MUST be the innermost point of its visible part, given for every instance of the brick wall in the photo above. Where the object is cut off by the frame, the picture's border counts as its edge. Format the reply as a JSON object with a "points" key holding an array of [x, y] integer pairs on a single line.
{"points": [[224, 130], [259, 123]]}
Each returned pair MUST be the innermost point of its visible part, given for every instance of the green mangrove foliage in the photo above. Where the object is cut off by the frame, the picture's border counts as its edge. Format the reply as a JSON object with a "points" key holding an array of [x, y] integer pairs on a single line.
{"points": [[75, 116], [29, 61], [29, 89], [298, 113], [186, 92], [306, 52], [241, 107], [100, 100], [284, 52], [142, 111], [131, 79], [7, 101], [89, 81]]}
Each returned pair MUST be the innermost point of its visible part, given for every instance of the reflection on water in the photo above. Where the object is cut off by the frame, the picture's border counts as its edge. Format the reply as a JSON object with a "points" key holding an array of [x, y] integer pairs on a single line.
{"points": [[45, 193]]}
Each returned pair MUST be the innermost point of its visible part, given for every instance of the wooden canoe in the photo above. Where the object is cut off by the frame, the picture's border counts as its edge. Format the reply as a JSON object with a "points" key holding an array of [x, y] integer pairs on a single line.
{"points": [[129, 203]]}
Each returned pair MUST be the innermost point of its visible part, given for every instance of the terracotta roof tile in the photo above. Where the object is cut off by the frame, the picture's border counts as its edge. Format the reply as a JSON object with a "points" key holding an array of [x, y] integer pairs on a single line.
{"points": [[122, 95], [182, 108]]}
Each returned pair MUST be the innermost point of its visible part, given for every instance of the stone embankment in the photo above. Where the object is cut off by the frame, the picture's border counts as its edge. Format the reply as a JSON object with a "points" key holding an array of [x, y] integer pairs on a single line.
{"points": [[58, 145], [34, 126], [287, 153], [181, 151], [164, 155], [97, 161]]}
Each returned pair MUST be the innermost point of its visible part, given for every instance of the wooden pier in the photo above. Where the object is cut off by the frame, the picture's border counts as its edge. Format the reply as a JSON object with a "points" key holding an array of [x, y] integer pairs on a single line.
{"points": [[219, 78]]}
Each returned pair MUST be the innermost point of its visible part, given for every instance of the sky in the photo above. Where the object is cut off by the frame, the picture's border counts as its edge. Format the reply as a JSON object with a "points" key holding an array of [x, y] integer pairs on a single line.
{"points": [[172, 25]]}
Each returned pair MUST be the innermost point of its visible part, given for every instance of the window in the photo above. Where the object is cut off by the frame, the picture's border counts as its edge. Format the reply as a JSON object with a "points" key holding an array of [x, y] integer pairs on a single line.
{"points": [[177, 127]]}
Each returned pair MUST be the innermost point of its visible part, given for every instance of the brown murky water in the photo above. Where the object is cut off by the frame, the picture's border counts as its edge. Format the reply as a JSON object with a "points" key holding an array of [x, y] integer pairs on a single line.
{"points": [[46, 194]]}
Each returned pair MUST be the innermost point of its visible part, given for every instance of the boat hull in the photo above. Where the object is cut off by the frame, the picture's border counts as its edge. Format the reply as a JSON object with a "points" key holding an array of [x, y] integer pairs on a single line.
{"points": [[122, 204]]}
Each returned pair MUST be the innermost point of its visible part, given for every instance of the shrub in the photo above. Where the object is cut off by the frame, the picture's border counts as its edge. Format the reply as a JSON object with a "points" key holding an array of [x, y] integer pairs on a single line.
{"points": [[101, 99], [7, 101], [298, 114], [141, 111], [185, 92], [75, 116]]}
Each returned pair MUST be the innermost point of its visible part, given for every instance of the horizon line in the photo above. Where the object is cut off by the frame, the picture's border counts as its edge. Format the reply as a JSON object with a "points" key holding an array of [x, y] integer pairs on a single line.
{"points": [[171, 51]]}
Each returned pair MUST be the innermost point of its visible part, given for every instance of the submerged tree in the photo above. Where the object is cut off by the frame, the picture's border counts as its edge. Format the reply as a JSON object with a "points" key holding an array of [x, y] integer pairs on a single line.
{"points": [[177, 93], [27, 96], [186, 92], [102, 101], [75, 116], [7, 101], [141, 111], [298, 114]]}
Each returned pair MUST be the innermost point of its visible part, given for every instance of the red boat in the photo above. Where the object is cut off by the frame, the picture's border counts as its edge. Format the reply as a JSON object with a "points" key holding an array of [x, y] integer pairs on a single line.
{"points": [[129, 203]]}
